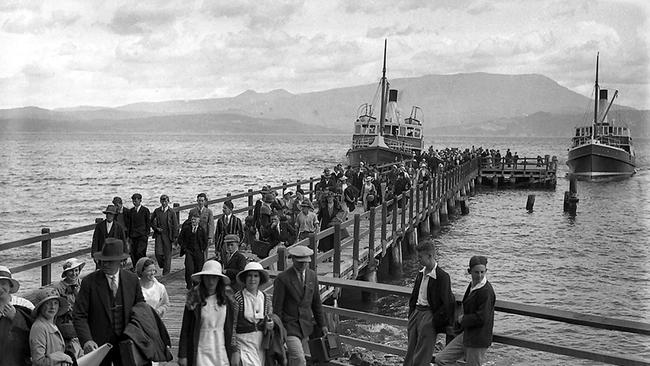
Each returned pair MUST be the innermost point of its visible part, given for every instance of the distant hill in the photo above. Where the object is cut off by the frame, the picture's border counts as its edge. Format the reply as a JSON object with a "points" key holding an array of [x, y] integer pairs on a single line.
{"points": [[461, 103], [188, 123]]}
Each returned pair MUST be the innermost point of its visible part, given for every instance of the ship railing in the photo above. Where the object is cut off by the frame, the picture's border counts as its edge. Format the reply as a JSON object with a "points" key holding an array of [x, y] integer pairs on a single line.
{"points": [[532, 165]]}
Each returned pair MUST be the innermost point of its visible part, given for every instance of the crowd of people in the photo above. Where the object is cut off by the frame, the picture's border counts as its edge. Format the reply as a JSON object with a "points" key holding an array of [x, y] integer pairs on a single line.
{"points": [[227, 318]]}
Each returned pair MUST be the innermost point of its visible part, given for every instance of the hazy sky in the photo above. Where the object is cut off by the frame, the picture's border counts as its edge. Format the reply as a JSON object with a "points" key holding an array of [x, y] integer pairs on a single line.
{"points": [[64, 53]]}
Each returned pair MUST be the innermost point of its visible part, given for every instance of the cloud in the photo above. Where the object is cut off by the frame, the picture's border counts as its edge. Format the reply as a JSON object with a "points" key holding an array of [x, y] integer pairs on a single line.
{"points": [[143, 18], [24, 21], [395, 30], [257, 14], [36, 72], [13, 5]]}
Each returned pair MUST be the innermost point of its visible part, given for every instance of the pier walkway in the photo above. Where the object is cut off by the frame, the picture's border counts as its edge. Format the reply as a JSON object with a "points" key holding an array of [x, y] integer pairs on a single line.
{"points": [[380, 234]]}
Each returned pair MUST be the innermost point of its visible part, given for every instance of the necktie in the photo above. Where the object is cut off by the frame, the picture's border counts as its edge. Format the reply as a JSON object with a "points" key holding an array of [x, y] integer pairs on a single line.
{"points": [[301, 278], [194, 229], [113, 285]]}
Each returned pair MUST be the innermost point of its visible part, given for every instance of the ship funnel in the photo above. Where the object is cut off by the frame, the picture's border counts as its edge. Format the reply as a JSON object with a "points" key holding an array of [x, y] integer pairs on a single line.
{"points": [[602, 105], [392, 95]]}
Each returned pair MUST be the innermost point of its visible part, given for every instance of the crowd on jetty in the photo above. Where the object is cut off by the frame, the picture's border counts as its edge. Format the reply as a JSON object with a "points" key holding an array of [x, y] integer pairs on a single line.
{"points": [[227, 318]]}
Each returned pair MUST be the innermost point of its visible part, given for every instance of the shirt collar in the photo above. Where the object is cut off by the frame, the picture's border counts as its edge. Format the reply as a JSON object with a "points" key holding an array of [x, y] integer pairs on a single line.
{"points": [[432, 273], [479, 285]]}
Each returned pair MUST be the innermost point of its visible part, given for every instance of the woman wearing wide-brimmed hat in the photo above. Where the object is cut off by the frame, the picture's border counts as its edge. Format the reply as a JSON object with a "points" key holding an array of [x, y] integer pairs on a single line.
{"points": [[45, 340], [252, 314], [206, 337], [68, 288], [15, 320]]}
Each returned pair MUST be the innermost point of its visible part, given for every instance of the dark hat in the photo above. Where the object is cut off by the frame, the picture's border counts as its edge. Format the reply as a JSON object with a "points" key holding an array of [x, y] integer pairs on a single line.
{"points": [[301, 253], [253, 266], [231, 237], [288, 193], [117, 200], [477, 259], [110, 209], [136, 195], [48, 294], [164, 197], [229, 204], [113, 250], [306, 203]]}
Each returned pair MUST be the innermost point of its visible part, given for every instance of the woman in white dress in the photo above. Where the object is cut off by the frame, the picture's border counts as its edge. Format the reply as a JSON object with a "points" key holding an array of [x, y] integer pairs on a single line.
{"points": [[206, 337], [154, 292], [252, 315]]}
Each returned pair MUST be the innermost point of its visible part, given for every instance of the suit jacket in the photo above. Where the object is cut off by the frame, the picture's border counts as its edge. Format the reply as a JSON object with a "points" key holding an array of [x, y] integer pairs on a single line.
{"points": [[441, 299], [298, 307], [207, 221], [92, 315], [286, 234], [234, 265], [235, 226], [192, 242], [139, 222], [172, 223], [478, 316], [100, 234]]}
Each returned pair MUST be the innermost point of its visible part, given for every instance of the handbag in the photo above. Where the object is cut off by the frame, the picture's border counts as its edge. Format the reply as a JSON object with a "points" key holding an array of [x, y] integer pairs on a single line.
{"points": [[261, 248], [325, 348], [131, 355]]}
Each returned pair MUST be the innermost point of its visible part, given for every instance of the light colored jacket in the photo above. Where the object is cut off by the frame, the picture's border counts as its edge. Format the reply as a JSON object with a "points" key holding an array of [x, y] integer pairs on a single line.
{"points": [[44, 339]]}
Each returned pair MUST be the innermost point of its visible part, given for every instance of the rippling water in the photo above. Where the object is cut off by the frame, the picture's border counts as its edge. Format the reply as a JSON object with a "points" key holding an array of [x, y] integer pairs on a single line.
{"points": [[595, 263]]}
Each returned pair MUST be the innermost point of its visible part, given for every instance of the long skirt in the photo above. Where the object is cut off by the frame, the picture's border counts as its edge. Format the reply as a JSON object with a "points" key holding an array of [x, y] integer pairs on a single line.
{"points": [[250, 348]]}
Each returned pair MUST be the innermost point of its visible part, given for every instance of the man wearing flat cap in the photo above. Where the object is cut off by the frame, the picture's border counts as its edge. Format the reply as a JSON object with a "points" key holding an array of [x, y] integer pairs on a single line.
{"points": [[476, 322], [296, 301], [103, 307], [233, 260]]}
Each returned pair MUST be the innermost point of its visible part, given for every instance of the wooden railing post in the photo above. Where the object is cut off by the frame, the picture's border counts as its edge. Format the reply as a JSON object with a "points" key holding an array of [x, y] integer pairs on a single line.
{"points": [[384, 219], [336, 265], [311, 189], [282, 257], [371, 238], [312, 245], [46, 252], [395, 217], [250, 202], [355, 244], [417, 203], [176, 205], [404, 198]]}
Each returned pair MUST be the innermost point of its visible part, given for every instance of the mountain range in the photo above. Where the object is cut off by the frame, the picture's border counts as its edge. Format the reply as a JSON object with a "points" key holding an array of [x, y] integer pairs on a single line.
{"points": [[460, 104]]}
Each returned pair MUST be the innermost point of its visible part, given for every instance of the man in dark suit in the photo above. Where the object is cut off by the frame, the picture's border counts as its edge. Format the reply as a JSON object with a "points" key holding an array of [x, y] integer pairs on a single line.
{"points": [[103, 306], [107, 228], [193, 242], [431, 307], [165, 232], [296, 301], [227, 224], [282, 231], [139, 219], [233, 261]]}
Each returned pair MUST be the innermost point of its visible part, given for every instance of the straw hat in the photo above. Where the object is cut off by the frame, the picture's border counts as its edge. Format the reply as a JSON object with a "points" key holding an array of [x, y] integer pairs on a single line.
{"points": [[211, 268], [71, 264], [113, 250], [5, 274], [230, 238], [253, 266], [48, 294]]}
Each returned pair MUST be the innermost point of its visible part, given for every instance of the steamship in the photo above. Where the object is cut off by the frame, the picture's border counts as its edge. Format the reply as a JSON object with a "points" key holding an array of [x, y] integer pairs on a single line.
{"points": [[601, 150], [390, 138]]}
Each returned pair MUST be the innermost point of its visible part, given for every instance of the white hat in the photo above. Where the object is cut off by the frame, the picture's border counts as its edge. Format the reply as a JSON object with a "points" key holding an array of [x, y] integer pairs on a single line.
{"points": [[72, 263], [211, 268], [5, 274], [253, 266]]}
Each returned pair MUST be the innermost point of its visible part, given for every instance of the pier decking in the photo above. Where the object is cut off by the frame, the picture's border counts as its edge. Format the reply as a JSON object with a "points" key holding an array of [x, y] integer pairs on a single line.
{"points": [[524, 172], [380, 234]]}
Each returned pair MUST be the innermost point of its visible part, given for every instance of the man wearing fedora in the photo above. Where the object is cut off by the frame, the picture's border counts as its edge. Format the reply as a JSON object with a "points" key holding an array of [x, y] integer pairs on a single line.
{"points": [[108, 228], [103, 307], [296, 301], [139, 224]]}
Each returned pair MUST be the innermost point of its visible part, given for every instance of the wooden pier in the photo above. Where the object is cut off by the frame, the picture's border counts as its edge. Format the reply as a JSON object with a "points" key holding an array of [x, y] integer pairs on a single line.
{"points": [[523, 172], [381, 234]]}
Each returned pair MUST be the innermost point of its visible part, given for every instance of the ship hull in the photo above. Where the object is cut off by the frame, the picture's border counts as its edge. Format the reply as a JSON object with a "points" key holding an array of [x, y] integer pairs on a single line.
{"points": [[376, 155], [599, 161]]}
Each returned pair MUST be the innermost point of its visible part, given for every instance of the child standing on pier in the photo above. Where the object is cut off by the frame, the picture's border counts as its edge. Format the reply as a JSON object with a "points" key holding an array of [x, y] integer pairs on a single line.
{"points": [[431, 307], [476, 321]]}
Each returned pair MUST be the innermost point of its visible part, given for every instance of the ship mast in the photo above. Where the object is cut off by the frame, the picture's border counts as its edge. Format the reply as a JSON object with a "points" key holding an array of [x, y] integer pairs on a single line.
{"points": [[382, 113], [596, 94]]}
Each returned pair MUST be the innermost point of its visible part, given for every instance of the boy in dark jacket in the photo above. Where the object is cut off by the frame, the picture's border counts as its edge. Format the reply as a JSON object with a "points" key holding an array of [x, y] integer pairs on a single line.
{"points": [[476, 322], [193, 243], [430, 308]]}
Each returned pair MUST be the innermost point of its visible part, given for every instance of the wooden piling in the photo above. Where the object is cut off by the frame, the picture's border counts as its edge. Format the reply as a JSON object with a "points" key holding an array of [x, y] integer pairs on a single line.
{"points": [[444, 216], [435, 218], [395, 265], [282, 257], [495, 181], [464, 207], [530, 202], [451, 206], [425, 227], [472, 187]]}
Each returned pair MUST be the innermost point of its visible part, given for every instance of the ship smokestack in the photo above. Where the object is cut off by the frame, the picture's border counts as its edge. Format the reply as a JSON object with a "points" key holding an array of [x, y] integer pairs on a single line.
{"points": [[392, 95], [602, 104]]}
